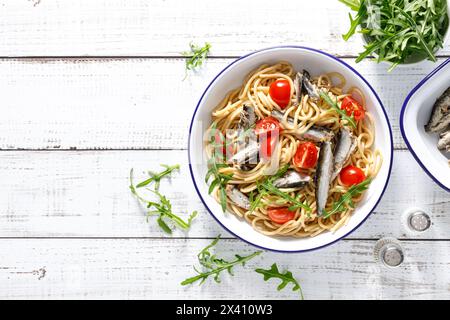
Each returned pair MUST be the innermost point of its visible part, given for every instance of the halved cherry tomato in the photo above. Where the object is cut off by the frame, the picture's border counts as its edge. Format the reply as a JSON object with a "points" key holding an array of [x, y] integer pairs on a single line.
{"points": [[267, 125], [267, 129], [280, 92], [226, 149], [306, 156], [267, 145], [352, 175], [351, 106], [280, 215]]}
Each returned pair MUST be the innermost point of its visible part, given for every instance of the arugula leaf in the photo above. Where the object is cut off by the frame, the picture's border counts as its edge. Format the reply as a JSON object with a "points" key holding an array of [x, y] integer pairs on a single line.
{"points": [[266, 187], [156, 177], [285, 278], [163, 208], [353, 4], [195, 56], [214, 265], [346, 200], [219, 180], [350, 120]]}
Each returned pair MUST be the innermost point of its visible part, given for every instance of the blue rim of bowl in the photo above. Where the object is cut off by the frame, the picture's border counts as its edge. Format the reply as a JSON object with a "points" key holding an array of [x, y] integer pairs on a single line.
{"points": [[351, 69], [402, 129]]}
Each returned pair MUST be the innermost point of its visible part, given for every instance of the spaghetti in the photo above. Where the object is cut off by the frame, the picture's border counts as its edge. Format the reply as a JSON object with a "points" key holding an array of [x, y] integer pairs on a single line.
{"points": [[299, 115]]}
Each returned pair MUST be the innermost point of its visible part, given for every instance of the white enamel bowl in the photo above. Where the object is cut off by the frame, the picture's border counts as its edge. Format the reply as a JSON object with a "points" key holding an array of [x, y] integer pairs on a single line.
{"points": [[316, 62], [415, 114]]}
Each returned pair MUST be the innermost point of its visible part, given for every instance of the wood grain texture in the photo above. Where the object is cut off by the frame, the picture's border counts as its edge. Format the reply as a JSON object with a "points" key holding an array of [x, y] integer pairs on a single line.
{"points": [[85, 194], [132, 103], [131, 269], [69, 227], [165, 27]]}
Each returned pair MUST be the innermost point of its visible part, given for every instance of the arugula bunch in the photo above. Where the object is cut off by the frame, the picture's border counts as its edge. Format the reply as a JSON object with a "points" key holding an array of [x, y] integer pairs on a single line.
{"points": [[285, 278], [163, 208], [346, 200], [398, 30], [195, 56], [266, 187], [214, 265], [350, 119]]}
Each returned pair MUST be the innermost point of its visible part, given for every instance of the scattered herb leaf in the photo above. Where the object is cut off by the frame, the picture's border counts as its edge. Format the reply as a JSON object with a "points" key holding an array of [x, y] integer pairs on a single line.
{"points": [[214, 265], [163, 208], [156, 177], [195, 56], [285, 278]]}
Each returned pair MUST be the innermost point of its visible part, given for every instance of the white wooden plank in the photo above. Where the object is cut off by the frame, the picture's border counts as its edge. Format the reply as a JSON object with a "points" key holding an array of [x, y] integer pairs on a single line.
{"points": [[85, 194], [130, 103], [153, 269], [165, 27]]}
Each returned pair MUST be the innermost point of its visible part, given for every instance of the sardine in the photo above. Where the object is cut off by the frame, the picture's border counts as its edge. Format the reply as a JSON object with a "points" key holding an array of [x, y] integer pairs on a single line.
{"points": [[307, 87], [315, 133], [440, 116], [345, 145], [245, 134], [240, 199], [292, 179], [444, 141], [323, 175], [247, 118], [298, 87], [248, 155]]}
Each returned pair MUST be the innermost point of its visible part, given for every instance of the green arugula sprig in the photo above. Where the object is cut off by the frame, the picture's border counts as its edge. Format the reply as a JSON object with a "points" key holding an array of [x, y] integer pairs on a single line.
{"points": [[285, 278], [346, 200], [397, 30], [156, 177], [266, 187], [214, 265], [350, 119], [219, 179], [195, 56], [163, 208]]}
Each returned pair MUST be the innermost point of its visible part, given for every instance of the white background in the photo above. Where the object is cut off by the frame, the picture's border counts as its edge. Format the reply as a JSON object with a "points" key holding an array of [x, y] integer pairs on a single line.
{"points": [[90, 89]]}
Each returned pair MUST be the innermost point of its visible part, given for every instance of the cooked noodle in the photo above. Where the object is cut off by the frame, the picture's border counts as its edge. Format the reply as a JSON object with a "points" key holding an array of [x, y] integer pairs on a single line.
{"points": [[255, 92]]}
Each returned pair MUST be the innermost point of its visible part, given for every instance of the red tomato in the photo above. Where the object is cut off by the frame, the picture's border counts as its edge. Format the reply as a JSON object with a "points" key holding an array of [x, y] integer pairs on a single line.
{"points": [[267, 145], [351, 106], [280, 92], [352, 175], [280, 215], [267, 129], [306, 156], [222, 146], [267, 125]]}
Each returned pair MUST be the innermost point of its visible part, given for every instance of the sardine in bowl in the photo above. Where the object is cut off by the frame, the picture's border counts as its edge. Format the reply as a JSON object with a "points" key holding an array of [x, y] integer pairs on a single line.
{"points": [[316, 62]]}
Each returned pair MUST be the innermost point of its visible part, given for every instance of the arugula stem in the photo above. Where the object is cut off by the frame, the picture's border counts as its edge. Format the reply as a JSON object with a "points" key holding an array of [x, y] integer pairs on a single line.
{"points": [[158, 176], [350, 119], [226, 266]]}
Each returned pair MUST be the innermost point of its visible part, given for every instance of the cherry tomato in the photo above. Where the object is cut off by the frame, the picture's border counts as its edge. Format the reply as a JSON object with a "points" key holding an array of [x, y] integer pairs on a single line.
{"points": [[306, 156], [280, 215], [268, 129], [222, 146], [267, 145], [351, 106], [280, 92], [267, 125], [352, 175]]}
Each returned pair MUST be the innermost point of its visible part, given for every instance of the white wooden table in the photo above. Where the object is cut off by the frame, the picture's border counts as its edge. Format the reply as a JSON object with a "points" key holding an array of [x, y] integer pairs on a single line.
{"points": [[92, 88]]}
